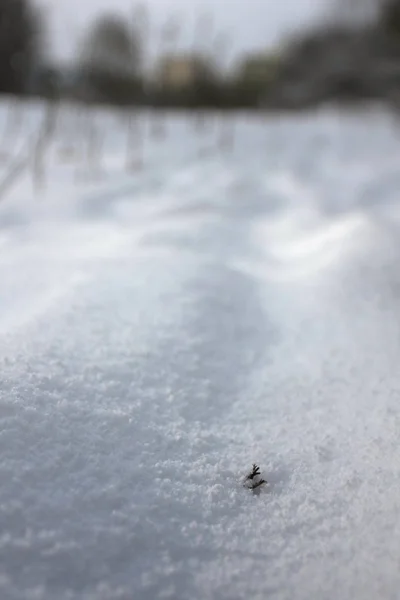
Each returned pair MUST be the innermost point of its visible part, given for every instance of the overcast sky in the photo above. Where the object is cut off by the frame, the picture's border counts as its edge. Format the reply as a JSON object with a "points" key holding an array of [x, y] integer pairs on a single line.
{"points": [[249, 23]]}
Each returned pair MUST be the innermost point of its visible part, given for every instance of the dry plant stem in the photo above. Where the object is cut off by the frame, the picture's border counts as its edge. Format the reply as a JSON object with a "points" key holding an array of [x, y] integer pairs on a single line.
{"points": [[13, 174], [157, 124], [14, 118], [94, 143], [227, 133], [97, 150], [135, 141], [82, 118], [68, 148], [43, 141], [13, 126], [200, 121]]}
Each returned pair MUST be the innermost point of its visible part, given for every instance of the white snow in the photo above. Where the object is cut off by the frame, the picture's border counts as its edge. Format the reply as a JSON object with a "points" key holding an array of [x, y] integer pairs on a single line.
{"points": [[163, 329]]}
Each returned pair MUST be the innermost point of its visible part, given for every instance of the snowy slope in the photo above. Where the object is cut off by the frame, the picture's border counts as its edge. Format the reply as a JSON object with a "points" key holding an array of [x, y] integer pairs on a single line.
{"points": [[161, 330]]}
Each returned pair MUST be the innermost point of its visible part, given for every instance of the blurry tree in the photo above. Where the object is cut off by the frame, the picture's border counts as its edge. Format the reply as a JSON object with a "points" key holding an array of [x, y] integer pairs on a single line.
{"points": [[390, 16], [354, 12], [47, 81], [21, 45], [203, 35], [110, 60], [140, 33], [111, 45], [220, 49], [170, 31], [254, 78]]}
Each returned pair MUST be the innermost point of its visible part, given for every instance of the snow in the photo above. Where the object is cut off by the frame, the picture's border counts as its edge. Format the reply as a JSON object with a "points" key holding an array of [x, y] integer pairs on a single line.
{"points": [[163, 329]]}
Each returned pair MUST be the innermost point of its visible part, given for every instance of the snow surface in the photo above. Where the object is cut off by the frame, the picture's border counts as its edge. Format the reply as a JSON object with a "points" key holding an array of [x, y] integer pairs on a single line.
{"points": [[161, 330]]}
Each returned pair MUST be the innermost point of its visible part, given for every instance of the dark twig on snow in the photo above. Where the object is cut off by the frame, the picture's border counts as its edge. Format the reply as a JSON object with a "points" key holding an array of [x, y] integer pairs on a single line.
{"points": [[254, 472], [254, 479], [257, 484]]}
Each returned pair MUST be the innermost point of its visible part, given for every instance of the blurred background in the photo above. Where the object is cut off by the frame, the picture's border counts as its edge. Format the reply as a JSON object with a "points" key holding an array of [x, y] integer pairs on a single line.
{"points": [[262, 55]]}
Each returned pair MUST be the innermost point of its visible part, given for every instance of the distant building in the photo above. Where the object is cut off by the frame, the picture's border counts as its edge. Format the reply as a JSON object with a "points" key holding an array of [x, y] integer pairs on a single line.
{"points": [[182, 71]]}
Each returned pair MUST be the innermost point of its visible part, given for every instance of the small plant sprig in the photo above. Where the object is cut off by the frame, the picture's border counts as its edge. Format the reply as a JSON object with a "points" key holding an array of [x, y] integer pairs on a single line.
{"points": [[254, 480]]}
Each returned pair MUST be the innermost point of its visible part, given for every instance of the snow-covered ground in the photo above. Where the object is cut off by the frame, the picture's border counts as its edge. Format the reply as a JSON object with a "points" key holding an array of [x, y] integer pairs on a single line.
{"points": [[163, 329]]}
